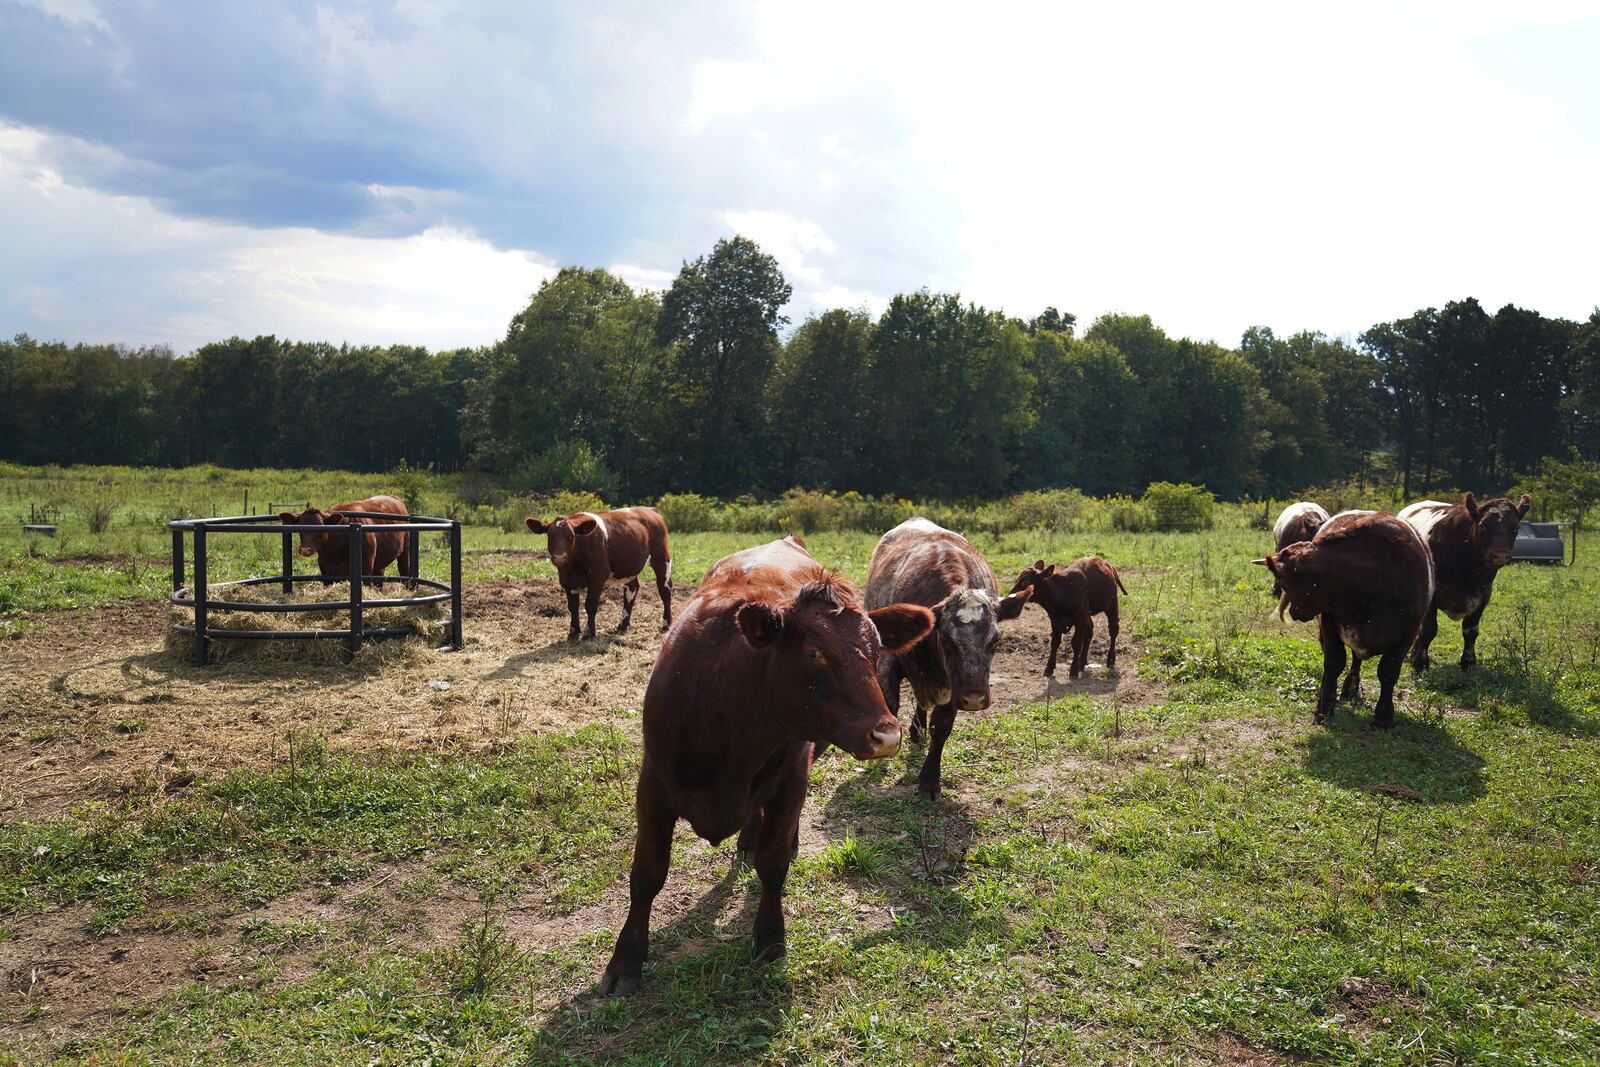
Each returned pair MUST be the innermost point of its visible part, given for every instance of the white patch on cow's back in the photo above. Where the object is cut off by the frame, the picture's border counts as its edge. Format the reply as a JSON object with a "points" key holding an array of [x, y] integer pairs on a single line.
{"points": [[598, 521], [920, 524], [1293, 512]]}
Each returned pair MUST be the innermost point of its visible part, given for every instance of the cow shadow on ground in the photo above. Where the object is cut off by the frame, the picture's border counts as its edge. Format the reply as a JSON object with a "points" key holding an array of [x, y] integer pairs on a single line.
{"points": [[691, 993], [561, 650], [1491, 685], [922, 845], [1094, 682], [1419, 755]]}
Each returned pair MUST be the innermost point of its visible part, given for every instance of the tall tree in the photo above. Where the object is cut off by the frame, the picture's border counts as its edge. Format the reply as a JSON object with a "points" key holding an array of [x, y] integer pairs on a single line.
{"points": [[721, 317]]}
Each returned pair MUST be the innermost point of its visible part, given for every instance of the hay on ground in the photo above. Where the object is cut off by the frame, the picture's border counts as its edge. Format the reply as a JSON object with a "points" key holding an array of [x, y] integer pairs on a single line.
{"points": [[420, 620]]}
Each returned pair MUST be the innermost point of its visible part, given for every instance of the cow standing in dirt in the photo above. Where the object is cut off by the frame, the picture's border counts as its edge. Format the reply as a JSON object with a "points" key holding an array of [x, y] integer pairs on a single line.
{"points": [[1470, 543], [1297, 522], [919, 562], [1367, 579], [1072, 596], [324, 536], [591, 550], [769, 658]]}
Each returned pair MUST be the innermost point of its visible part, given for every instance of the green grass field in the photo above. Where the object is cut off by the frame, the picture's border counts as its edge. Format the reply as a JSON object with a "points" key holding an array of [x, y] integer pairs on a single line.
{"points": [[1182, 871]]}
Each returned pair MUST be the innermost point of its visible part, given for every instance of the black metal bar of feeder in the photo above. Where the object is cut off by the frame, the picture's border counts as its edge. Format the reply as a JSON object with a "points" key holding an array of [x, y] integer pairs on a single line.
{"points": [[177, 558], [455, 584], [414, 553], [288, 563], [355, 586], [200, 620]]}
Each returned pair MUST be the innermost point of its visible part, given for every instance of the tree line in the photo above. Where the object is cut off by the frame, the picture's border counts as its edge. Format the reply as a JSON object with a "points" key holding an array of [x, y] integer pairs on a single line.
{"points": [[632, 393]]}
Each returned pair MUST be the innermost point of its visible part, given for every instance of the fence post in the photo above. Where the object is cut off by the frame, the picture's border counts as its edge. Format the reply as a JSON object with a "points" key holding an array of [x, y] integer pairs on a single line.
{"points": [[455, 584], [355, 584], [177, 558], [288, 563], [200, 620]]}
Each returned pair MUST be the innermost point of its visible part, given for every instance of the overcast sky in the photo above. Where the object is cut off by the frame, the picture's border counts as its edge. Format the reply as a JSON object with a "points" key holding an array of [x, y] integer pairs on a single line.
{"points": [[410, 171]]}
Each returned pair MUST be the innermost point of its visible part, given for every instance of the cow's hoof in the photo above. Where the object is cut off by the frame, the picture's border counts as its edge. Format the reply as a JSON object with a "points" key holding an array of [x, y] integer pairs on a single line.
{"points": [[588, 637], [1049, 672], [1468, 664], [744, 857], [916, 735], [930, 790], [1383, 722], [574, 635], [616, 984], [771, 952]]}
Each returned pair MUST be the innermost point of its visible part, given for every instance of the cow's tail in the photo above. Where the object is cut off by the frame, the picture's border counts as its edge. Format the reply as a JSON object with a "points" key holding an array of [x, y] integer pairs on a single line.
{"points": [[1118, 579]]}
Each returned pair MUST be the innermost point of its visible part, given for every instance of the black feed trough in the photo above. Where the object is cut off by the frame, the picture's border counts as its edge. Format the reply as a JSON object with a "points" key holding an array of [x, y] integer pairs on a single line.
{"points": [[1539, 542], [199, 596]]}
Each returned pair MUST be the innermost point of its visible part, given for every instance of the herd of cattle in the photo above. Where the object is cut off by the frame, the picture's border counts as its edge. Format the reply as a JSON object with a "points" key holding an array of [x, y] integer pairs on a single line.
{"points": [[776, 657]]}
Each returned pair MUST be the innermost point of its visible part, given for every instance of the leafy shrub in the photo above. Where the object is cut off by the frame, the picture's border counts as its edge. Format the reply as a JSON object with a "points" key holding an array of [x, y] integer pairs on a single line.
{"points": [[688, 512], [811, 510], [569, 464], [1178, 507], [1043, 509], [1128, 514]]}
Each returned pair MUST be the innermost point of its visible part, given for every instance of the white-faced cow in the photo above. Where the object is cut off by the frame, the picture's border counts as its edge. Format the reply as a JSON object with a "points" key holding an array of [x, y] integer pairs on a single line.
{"points": [[919, 562], [591, 550], [1367, 579], [1470, 543], [1297, 522], [769, 658]]}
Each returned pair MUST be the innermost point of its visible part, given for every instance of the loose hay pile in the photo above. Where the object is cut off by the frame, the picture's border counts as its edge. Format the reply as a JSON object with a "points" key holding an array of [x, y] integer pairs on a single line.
{"points": [[420, 620]]}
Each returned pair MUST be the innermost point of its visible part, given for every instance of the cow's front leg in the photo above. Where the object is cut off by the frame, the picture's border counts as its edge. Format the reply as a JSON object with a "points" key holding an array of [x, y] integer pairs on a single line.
{"points": [[944, 717], [591, 604], [652, 853], [1082, 634], [776, 844], [630, 593], [1430, 628], [1055, 647], [572, 610], [1469, 635], [919, 724], [1333, 657]]}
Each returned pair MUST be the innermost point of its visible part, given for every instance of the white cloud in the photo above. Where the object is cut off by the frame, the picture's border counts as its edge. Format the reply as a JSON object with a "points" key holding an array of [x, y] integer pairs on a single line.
{"points": [[108, 268]]}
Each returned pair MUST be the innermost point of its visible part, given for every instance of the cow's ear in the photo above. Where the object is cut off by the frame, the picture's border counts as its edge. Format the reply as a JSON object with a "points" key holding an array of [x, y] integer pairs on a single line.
{"points": [[288, 518], [333, 518], [901, 625], [1011, 606], [584, 526], [1472, 506], [1049, 572], [535, 525], [761, 624], [1038, 564], [1523, 505]]}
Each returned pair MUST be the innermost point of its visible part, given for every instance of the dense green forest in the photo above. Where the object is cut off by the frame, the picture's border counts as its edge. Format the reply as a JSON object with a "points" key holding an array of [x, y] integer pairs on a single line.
{"points": [[631, 393]]}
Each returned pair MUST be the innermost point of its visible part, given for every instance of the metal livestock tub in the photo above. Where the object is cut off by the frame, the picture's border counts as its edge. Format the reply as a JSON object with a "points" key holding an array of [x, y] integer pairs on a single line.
{"points": [[1539, 542]]}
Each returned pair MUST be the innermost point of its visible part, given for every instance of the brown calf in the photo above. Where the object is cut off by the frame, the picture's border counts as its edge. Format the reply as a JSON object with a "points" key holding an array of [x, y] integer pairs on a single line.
{"points": [[1367, 580], [591, 550], [770, 657], [1072, 596], [332, 547], [1296, 523], [1470, 542], [918, 562]]}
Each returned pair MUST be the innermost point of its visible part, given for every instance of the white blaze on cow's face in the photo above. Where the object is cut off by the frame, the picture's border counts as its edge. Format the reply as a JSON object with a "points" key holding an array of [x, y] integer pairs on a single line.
{"points": [[968, 632]]}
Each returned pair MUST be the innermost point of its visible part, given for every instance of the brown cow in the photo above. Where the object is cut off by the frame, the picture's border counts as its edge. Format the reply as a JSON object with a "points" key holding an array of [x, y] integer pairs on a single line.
{"points": [[1072, 596], [1470, 543], [919, 562], [1297, 522], [332, 549], [591, 550], [1367, 580], [769, 658]]}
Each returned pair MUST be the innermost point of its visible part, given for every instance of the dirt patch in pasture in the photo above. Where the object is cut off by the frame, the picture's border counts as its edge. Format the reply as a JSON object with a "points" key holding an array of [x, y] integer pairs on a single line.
{"points": [[93, 709]]}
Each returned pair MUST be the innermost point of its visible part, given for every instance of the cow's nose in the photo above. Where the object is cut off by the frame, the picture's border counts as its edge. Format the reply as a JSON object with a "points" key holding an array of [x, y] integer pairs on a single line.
{"points": [[885, 742], [307, 551], [974, 699], [1500, 559]]}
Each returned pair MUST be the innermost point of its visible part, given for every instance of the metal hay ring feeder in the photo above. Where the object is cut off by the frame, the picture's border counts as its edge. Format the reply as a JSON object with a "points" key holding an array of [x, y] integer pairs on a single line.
{"points": [[199, 599]]}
